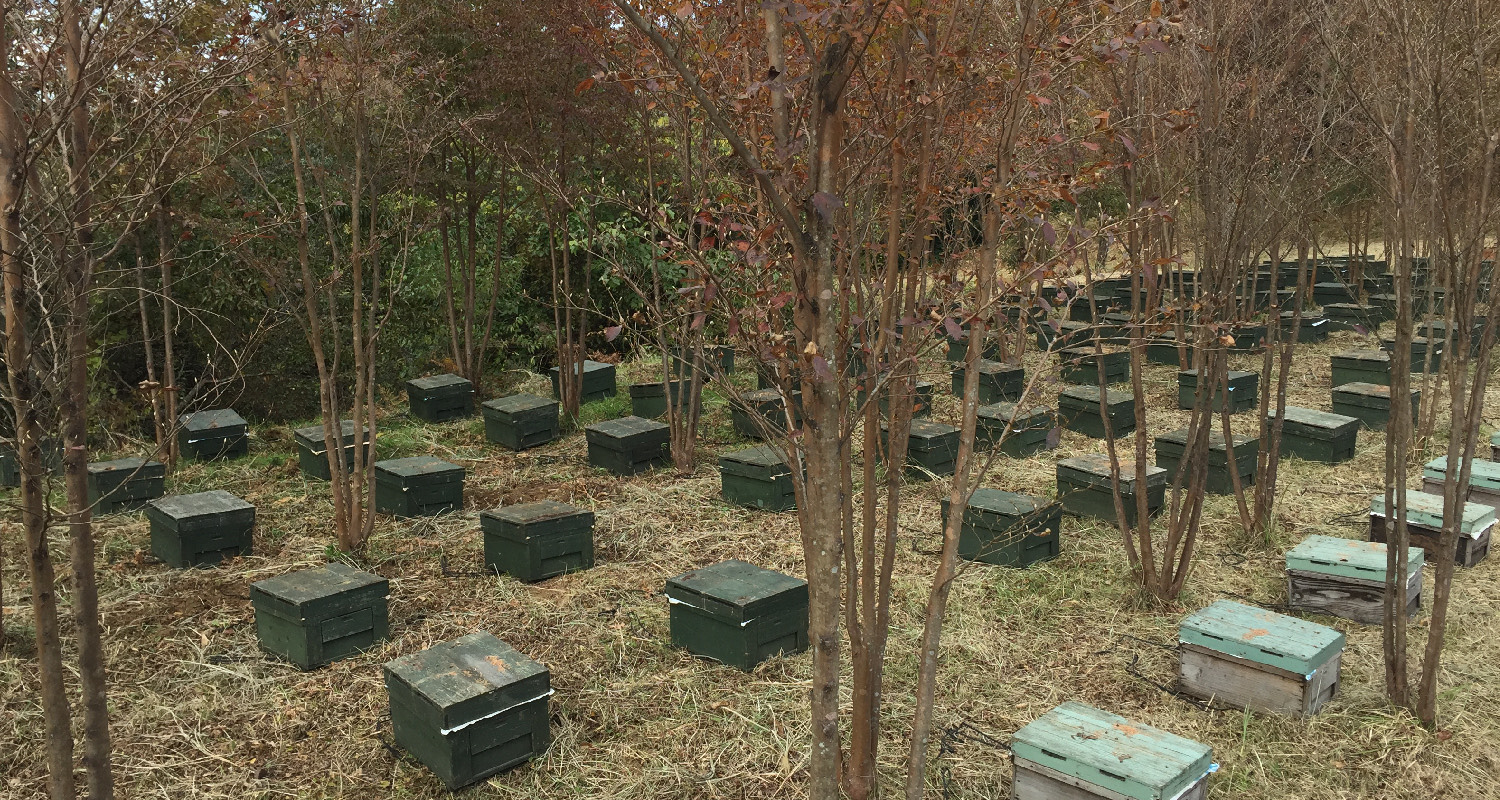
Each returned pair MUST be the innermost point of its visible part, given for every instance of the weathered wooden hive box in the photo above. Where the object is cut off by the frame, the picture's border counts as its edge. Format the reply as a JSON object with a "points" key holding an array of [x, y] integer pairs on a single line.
{"points": [[439, 398], [598, 381], [205, 435], [125, 484], [737, 613], [1345, 578], [629, 445], [200, 530], [10, 469], [1082, 366], [421, 486], [1332, 293], [469, 708], [1171, 450], [1249, 338], [1244, 391], [1421, 346], [520, 421], [649, 400], [1361, 366], [1077, 752], [1247, 657], [931, 449], [1078, 410], [997, 381], [1314, 327], [536, 541], [317, 616], [921, 398], [1019, 432], [1068, 333], [1424, 524], [757, 477], [312, 452], [1008, 529], [762, 411], [1345, 316], [1084, 488], [1161, 348], [1317, 435], [1370, 403]]}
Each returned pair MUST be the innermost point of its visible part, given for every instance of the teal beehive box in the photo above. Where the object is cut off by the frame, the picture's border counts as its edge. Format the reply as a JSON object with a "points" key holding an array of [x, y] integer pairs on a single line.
{"points": [[1424, 524], [1484, 480], [1317, 435], [200, 530], [535, 541], [1008, 529], [1248, 657], [205, 435], [1018, 432], [520, 421], [757, 477], [1361, 366], [312, 449], [737, 613], [318, 616], [1076, 752], [440, 398], [125, 484], [1085, 488], [1078, 409], [1244, 388], [1084, 367], [629, 445], [421, 486], [1171, 450], [1370, 403], [1346, 578], [997, 381], [598, 381]]}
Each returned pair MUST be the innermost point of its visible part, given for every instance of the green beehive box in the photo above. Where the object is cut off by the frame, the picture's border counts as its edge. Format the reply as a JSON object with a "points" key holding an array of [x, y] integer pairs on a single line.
{"points": [[757, 477], [200, 530], [1161, 348], [598, 381], [1484, 480], [1420, 347], [536, 541], [1370, 403], [206, 435], [1345, 578], [1171, 449], [125, 484], [958, 349], [1347, 316], [1084, 488], [312, 451], [1424, 525], [1317, 435], [1249, 338], [1334, 292], [469, 708], [1252, 658], [1008, 529], [1437, 330], [997, 381], [1027, 428], [737, 613], [1244, 391], [1082, 366], [421, 486], [931, 449], [1077, 752], [318, 616], [1078, 410], [649, 400], [1361, 366], [1062, 334], [921, 406], [760, 413], [10, 469], [629, 445], [520, 421], [440, 398], [1314, 327]]}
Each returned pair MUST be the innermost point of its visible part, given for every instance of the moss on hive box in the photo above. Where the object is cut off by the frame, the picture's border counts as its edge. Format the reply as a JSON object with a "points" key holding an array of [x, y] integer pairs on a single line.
{"points": [[628, 446], [757, 477], [521, 421], [1007, 529], [1076, 751], [418, 487], [737, 613], [536, 541], [1078, 410], [1252, 658], [317, 616], [1345, 578], [200, 530], [312, 449], [124, 484], [206, 435], [440, 398]]}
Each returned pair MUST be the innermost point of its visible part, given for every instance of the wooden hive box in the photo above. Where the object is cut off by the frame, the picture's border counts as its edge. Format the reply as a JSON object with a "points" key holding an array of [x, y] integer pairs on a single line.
{"points": [[1345, 316], [958, 349], [1082, 366], [1334, 292], [1115, 327], [931, 449], [1495, 446], [718, 360], [1077, 752], [1161, 348], [757, 477], [206, 435], [997, 381], [1317, 435], [1008, 529], [317, 616], [737, 613], [629, 445], [598, 381], [1244, 391], [1437, 330], [921, 406], [1377, 282], [1084, 488], [1078, 410], [312, 451], [761, 412], [1079, 310], [421, 486], [1250, 338], [1171, 449], [1361, 366], [1420, 347], [1383, 307], [440, 398], [1065, 334], [10, 468], [649, 400], [1314, 328], [469, 708], [1424, 525], [536, 541], [1345, 578], [1248, 657], [1370, 403], [521, 421], [1017, 432], [200, 530], [125, 484]]}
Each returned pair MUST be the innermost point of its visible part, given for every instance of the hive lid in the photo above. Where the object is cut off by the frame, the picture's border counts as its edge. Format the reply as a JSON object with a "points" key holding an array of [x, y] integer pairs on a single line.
{"points": [[612, 430], [447, 380], [1368, 390], [1427, 510], [1362, 355], [1094, 470], [1008, 413], [312, 435], [519, 404], [1261, 636], [1179, 437], [1347, 558], [764, 457], [1005, 504], [1128, 758], [588, 366], [202, 504], [737, 590], [1234, 375], [200, 421], [128, 467], [1307, 418], [761, 396], [466, 680], [418, 466], [311, 586], [1483, 474], [525, 514], [931, 434], [987, 367]]}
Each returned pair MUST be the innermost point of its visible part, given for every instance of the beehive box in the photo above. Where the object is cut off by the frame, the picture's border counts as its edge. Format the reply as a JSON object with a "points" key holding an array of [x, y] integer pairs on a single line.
{"points": [[1317, 435], [1084, 488], [1082, 366], [421, 486], [1370, 403], [737, 613], [1028, 428], [1244, 391], [997, 381], [1115, 327], [312, 451], [931, 449], [469, 708], [1421, 346], [598, 381], [1007, 529], [921, 393], [318, 616], [536, 541], [1247, 657], [440, 398], [1361, 366], [757, 477], [1077, 752], [1383, 307], [1249, 338], [1078, 410], [1171, 449], [125, 484], [1495, 446], [649, 400], [958, 349], [1346, 316], [200, 530], [760, 413], [10, 468], [1067, 333], [1314, 327], [1161, 348], [1080, 311], [520, 421], [1437, 330], [1332, 293], [629, 445], [205, 435], [1345, 578], [1424, 526]]}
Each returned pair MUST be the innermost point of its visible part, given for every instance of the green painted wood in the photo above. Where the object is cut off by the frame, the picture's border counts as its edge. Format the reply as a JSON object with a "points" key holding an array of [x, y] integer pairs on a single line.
{"points": [[1495, 446], [1171, 449], [10, 470], [1361, 366], [649, 400], [317, 616], [418, 486], [598, 381], [997, 381], [125, 484], [1314, 328], [1018, 432], [440, 398], [1162, 349], [629, 445], [931, 449], [207, 435], [1482, 474], [1078, 410], [1062, 334], [757, 477], [1317, 435], [1346, 558], [1008, 529], [200, 530], [1082, 366], [1261, 636], [738, 613], [536, 541], [521, 421], [760, 412], [1420, 347], [1244, 388], [921, 398], [1426, 510], [1109, 751], [1084, 488], [1369, 403], [312, 451]]}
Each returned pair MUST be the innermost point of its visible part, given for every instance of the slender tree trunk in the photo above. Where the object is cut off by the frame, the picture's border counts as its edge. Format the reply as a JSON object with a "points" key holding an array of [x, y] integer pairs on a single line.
{"points": [[165, 248], [153, 387]]}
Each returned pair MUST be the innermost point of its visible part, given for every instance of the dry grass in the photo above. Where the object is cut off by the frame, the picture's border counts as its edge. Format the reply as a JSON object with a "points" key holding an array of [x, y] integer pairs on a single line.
{"points": [[198, 712]]}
